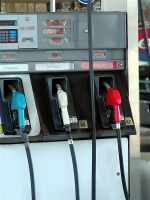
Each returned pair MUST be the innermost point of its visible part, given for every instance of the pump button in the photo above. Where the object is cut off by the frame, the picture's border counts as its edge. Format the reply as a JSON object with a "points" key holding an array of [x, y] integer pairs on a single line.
{"points": [[12, 37], [12, 40], [13, 32], [54, 54]]}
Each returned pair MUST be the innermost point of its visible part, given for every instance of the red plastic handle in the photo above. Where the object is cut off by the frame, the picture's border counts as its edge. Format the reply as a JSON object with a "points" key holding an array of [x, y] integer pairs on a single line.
{"points": [[113, 99]]}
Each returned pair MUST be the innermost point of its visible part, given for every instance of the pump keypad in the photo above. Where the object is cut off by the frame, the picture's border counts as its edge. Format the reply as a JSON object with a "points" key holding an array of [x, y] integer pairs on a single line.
{"points": [[8, 36]]}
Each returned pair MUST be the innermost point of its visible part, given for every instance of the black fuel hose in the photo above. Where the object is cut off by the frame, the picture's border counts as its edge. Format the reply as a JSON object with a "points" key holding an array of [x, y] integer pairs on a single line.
{"points": [[75, 170], [74, 162], [144, 31], [26, 143], [92, 102], [121, 164], [63, 103]]}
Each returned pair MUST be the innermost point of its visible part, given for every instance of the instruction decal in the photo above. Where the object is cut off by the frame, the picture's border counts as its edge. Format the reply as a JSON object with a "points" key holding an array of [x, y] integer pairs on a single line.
{"points": [[54, 66], [73, 120], [83, 124], [128, 121]]}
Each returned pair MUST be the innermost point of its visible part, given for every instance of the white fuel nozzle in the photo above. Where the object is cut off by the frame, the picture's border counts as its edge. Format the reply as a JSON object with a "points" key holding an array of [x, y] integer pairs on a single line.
{"points": [[63, 103]]}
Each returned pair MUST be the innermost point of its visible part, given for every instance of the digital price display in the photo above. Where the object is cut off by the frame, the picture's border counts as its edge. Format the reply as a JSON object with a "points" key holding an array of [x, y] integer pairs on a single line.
{"points": [[54, 31], [6, 23], [56, 22], [56, 39], [8, 56]]}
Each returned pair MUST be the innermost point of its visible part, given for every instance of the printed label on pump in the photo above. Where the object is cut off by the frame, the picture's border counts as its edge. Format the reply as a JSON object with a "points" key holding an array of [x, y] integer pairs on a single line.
{"points": [[100, 65], [73, 120], [12, 67], [27, 122], [128, 121], [1, 129], [83, 124], [54, 66]]}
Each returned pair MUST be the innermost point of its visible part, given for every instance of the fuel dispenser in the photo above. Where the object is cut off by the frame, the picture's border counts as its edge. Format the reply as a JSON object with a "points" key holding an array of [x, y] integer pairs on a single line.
{"points": [[45, 57]]}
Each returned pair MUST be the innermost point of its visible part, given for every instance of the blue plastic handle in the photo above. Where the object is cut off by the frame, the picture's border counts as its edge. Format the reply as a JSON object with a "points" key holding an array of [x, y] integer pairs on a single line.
{"points": [[19, 103]]}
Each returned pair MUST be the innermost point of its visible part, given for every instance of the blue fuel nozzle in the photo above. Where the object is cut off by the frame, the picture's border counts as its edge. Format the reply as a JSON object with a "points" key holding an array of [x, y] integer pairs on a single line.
{"points": [[19, 103]]}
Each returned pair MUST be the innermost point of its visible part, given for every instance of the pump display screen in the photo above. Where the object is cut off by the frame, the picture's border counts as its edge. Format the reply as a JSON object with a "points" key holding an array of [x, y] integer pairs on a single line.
{"points": [[56, 22], [6, 23], [55, 40], [53, 31], [7, 56]]}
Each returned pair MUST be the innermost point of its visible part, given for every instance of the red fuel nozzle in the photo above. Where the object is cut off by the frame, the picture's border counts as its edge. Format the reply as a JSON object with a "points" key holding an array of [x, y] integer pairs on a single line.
{"points": [[113, 99]]}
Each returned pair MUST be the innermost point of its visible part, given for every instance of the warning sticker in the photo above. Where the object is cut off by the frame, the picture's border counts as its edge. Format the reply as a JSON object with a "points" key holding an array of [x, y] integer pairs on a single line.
{"points": [[83, 124], [128, 121], [1, 129], [27, 122]]}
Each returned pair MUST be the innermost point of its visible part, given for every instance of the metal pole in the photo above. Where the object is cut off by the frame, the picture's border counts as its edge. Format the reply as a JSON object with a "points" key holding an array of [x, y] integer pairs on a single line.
{"points": [[91, 71], [0, 5], [52, 5]]}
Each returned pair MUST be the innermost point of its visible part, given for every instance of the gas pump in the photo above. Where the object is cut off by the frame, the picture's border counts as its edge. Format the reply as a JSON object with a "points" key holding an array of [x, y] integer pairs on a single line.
{"points": [[46, 55]]}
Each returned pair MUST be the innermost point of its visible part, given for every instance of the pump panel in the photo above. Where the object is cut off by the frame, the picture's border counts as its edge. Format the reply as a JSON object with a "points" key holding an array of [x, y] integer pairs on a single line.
{"points": [[59, 31], [27, 32], [53, 49], [45, 58]]}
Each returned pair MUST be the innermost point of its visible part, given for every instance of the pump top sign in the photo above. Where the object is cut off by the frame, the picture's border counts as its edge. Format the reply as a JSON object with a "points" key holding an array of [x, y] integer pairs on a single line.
{"points": [[85, 2]]}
